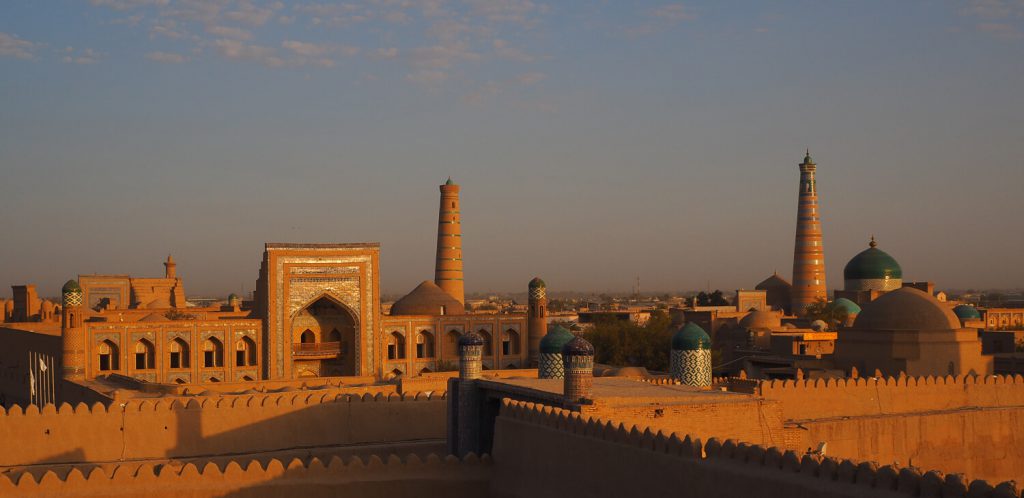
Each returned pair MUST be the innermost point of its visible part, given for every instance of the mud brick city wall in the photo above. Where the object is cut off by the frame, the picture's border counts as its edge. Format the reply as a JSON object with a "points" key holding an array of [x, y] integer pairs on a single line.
{"points": [[966, 424], [214, 426], [653, 462], [392, 477]]}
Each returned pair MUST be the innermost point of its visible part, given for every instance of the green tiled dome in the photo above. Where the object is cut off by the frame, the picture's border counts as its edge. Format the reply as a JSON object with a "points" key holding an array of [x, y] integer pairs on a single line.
{"points": [[537, 282], [556, 338], [71, 286], [872, 263], [449, 182], [691, 337], [967, 312], [851, 307]]}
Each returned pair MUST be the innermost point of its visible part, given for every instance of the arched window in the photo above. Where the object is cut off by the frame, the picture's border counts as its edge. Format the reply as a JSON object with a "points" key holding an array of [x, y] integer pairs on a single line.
{"points": [[452, 342], [179, 357], [396, 346], [245, 352], [109, 357], [488, 343], [510, 342], [144, 355], [425, 371], [213, 353], [307, 337], [425, 345], [334, 336]]}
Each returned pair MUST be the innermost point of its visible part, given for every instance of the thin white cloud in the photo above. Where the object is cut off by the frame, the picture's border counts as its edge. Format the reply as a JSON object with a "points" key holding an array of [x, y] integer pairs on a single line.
{"points": [[503, 50], [128, 4], [248, 13], [442, 56], [307, 49], [532, 78], [229, 32], [80, 56], [166, 57], [385, 53], [673, 13], [12, 46], [427, 77], [1001, 30]]}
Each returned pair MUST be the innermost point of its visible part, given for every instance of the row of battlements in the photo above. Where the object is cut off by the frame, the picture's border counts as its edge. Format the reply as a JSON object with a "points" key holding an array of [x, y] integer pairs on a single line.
{"points": [[906, 481], [901, 381], [232, 474], [218, 402]]}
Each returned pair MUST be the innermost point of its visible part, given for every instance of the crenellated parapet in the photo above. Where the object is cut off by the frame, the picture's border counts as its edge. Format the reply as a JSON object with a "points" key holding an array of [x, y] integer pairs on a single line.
{"points": [[732, 462], [211, 425], [311, 477], [848, 397]]}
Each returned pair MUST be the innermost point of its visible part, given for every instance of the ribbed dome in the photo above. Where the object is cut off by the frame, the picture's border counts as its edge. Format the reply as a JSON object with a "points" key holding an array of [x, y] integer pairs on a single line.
{"points": [[232, 297], [872, 263], [537, 282], [967, 312], [71, 286], [47, 306], [556, 338], [851, 307], [578, 346], [773, 282], [427, 299], [761, 320], [691, 337], [906, 309]]}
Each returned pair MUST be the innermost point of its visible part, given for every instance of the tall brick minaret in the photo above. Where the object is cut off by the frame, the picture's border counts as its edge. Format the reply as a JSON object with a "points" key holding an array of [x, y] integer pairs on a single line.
{"points": [[809, 254], [448, 268]]}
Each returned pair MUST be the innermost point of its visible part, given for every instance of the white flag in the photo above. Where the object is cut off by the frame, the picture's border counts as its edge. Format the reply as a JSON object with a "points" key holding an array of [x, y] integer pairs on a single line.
{"points": [[42, 365], [31, 383]]}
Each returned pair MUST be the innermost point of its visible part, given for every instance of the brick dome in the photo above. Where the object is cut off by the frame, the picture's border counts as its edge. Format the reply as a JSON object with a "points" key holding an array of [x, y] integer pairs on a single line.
{"points": [[761, 320], [427, 299], [906, 309]]}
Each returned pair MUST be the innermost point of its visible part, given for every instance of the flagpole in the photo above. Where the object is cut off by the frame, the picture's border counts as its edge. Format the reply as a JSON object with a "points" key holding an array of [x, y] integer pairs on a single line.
{"points": [[31, 377], [53, 382]]}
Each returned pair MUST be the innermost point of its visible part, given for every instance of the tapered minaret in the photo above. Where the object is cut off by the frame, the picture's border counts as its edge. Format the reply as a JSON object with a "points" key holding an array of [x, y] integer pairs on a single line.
{"points": [[448, 268], [809, 254]]}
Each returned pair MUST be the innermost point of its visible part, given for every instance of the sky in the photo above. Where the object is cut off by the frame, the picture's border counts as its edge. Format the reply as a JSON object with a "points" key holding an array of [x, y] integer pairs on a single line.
{"points": [[595, 142]]}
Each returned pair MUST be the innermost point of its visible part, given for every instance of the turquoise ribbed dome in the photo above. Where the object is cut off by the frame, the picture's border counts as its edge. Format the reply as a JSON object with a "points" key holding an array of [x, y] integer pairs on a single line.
{"points": [[872, 263], [537, 282], [556, 338], [691, 337], [851, 307], [71, 286], [967, 312]]}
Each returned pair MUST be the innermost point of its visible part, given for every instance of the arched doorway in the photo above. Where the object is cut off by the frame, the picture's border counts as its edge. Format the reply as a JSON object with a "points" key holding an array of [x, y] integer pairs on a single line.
{"points": [[324, 338]]}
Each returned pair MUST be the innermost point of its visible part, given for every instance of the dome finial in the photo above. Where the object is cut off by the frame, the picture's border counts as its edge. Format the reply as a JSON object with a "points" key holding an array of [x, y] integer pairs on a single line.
{"points": [[873, 243]]}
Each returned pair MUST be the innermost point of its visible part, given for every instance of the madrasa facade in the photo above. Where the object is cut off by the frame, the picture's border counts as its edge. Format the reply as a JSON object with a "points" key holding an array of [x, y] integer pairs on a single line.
{"points": [[316, 311]]}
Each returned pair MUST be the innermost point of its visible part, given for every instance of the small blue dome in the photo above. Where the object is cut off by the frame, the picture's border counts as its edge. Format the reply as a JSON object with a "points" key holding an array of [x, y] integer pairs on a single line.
{"points": [[555, 340], [691, 337], [851, 307], [967, 312]]}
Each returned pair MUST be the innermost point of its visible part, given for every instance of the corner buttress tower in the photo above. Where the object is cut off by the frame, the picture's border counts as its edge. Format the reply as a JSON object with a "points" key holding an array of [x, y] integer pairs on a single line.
{"points": [[808, 253], [170, 268], [448, 268], [537, 318], [72, 332]]}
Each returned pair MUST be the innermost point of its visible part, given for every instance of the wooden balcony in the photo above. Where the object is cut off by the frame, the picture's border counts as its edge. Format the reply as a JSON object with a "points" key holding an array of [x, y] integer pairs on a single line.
{"points": [[316, 350]]}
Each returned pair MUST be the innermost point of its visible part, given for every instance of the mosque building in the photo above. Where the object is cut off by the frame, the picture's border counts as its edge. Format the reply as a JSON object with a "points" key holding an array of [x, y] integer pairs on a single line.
{"points": [[315, 312]]}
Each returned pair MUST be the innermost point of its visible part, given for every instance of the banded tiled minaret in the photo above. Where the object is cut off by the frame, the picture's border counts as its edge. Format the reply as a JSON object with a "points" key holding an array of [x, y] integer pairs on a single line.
{"points": [[808, 255], [448, 268]]}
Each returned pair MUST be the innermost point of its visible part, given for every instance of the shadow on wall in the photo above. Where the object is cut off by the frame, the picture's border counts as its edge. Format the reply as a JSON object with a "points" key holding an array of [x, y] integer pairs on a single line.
{"points": [[219, 426]]}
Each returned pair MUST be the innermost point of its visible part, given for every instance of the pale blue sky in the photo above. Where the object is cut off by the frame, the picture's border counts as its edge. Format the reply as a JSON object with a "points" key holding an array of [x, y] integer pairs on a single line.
{"points": [[594, 141]]}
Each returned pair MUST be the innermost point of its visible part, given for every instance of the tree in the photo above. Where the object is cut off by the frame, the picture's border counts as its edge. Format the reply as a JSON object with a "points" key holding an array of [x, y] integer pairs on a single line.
{"points": [[713, 299], [625, 343]]}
